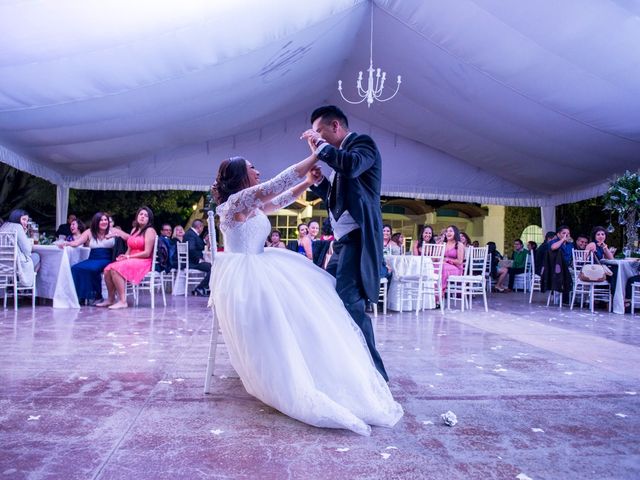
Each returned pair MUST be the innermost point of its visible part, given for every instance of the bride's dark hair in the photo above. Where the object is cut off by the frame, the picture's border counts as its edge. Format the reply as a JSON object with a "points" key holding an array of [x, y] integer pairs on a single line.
{"points": [[232, 177]]}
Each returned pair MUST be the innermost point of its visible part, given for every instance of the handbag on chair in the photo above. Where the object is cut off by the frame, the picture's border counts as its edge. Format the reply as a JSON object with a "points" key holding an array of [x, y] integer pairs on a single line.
{"points": [[595, 272]]}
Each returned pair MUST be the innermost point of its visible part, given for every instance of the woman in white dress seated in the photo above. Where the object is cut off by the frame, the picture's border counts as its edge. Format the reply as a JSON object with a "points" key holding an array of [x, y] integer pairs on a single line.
{"points": [[293, 343], [28, 262]]}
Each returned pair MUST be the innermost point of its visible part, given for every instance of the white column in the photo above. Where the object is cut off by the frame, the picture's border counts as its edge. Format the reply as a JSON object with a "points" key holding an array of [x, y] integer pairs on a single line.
{"points": [[62, 204], [548, 216]]}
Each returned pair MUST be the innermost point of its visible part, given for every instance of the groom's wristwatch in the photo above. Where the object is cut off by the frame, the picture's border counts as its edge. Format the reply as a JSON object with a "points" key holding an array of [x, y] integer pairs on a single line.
{"points": [[319, 141]]}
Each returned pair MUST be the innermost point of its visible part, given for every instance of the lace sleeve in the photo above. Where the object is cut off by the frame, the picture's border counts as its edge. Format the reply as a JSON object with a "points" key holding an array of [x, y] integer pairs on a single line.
{"points": [[246, 201], [281, 201]]}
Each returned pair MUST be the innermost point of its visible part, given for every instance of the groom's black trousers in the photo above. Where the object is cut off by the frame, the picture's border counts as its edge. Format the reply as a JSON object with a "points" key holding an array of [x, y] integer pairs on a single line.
{"points": [[344, 265]]}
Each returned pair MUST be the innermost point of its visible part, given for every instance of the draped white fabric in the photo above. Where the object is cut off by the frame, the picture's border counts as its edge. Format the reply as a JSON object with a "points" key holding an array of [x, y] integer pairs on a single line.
{"points": [[62, 204], [519, 103]]}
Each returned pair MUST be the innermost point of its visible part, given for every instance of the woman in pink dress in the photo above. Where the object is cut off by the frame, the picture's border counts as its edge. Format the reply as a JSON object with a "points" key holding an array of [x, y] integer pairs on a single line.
{"points": [[134, 264], [453, 255]]}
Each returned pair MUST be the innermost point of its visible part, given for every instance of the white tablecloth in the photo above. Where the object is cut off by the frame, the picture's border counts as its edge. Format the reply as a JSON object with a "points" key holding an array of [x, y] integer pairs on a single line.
{"points": [[54, 278], [406, 265], [626, 268]]}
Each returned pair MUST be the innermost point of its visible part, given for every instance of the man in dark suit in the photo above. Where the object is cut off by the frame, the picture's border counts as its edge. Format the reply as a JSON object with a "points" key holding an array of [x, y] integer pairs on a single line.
{"points": [[352, 196], [196, 257]]}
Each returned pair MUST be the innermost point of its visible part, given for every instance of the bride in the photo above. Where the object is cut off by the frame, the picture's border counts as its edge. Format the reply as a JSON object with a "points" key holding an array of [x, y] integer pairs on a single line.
{"points": [[293, 343]]}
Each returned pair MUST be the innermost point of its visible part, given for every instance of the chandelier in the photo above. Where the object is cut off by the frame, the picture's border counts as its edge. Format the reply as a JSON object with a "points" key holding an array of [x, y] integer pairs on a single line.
{"points": [[374, 88]]}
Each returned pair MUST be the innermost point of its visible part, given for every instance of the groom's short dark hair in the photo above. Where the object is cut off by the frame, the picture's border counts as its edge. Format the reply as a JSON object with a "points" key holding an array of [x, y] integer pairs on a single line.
{"points": [[330, 113]]}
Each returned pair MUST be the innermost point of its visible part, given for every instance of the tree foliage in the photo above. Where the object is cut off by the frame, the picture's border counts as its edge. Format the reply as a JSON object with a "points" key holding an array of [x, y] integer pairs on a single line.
{"points": [[22, 190], [37, 196]]}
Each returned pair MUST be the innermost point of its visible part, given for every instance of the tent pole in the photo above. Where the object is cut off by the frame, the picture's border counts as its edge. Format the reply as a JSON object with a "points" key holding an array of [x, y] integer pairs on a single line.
{"points": [[548, 216], [62, 204]]}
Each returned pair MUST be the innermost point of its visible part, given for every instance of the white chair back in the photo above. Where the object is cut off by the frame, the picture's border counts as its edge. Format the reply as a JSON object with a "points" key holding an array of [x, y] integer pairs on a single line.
{"points": [[478, 264], [9, 270], [435, 252], [213, 244], [151, 280], [8, 254], [215, 326], [182, 253], [580, 259]]}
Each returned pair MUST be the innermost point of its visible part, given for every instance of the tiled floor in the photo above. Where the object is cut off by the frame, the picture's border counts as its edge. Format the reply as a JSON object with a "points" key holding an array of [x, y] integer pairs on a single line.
{"points": [[539, 393]]}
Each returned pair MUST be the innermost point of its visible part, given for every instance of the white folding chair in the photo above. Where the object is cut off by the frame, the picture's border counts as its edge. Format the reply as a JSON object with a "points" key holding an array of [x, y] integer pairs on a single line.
{"points": [[382, 297], [9, 270], [534, 282], [191, 277], [595, 290], [215, 326], [151, 281], [635, 297], [427, 282], [521, 280], [473, 282]]}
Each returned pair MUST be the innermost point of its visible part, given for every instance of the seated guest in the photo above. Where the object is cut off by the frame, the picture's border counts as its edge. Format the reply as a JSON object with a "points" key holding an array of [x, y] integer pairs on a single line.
{"points": [[581, 242], [425, 234], [77, 228], [165, 237], [314, 230], [453, 255], [494, 259], [327, 231], [177, 237], [564, 243], [178, 233], [28, 261], [304, 242], [475, 244], [87, 274], [465, 239], [389, 247], [64, 230], [519, 257], [600, 250], [532, 246], [398, 239], [274, 240], [542, 250], [133, 265], [196, 256]]}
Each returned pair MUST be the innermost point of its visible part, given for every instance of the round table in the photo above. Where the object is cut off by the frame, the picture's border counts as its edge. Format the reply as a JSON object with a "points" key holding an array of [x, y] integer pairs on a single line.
{"points": [[402, 265]]}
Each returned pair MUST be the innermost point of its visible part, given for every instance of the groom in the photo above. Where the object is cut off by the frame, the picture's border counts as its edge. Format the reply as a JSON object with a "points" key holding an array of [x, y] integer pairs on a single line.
{"points": [[352, 196]]}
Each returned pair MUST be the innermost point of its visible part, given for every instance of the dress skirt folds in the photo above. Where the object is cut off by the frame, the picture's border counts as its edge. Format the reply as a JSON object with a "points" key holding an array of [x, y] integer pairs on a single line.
{"points": [[134, 269], [87, 274]]}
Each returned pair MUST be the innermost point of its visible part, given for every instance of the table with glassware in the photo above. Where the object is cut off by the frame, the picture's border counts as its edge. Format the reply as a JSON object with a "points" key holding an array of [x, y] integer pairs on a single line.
{"points": [[54, 280], [627, 267], [402, 265]]}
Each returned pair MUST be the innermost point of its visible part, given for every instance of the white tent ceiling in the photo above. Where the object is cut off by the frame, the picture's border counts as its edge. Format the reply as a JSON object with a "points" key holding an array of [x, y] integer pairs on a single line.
{"points": [[520, 103]]}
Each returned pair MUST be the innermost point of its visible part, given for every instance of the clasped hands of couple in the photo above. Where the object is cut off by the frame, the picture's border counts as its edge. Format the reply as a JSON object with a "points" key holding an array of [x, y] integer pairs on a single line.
{"points": [[314, 140]]}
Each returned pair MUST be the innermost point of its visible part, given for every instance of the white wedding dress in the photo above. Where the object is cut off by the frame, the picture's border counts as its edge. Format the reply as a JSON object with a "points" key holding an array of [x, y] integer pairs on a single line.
{"points": [[289, 336]]}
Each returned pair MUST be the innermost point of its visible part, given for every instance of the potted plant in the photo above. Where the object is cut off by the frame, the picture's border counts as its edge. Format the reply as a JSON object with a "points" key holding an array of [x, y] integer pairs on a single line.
{"points": [[623, 197]]}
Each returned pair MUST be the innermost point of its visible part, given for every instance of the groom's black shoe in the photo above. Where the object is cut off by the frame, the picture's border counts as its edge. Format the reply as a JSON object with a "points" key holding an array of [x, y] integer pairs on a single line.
{"points": [[199, 292]]}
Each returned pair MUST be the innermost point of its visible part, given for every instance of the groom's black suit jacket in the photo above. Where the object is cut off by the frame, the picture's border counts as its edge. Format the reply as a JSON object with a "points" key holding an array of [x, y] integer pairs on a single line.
{"points": [[358, 168]]}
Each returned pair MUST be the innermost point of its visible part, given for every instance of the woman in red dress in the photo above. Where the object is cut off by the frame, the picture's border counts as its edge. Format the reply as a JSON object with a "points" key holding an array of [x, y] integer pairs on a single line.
{"points": [[134, 264]]}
